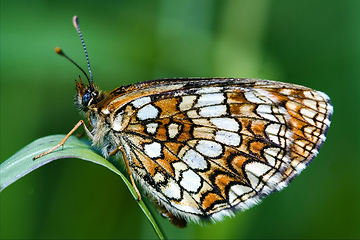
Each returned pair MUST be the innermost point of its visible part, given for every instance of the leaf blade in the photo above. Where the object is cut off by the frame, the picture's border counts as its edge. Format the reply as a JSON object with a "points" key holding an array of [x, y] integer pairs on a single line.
{"points": [[22, 163]]}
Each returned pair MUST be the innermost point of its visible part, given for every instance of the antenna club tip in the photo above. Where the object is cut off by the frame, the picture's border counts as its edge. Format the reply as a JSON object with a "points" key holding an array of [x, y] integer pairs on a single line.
{"points": [[75, 21], [58, 50]]}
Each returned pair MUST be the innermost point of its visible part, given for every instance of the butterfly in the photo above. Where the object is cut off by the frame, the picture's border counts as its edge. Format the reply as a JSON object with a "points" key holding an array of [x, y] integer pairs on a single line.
{"points": [[205, 148]]}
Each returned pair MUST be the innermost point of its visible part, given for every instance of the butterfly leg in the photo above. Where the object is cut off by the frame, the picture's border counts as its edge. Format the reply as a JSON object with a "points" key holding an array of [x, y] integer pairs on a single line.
{"points": [[175, 220], [128, 170], [80, 135], [81, 122]]}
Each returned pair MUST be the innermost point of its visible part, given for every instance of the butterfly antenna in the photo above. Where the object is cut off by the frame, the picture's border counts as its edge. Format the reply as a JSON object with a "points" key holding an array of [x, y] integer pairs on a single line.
{"points": [[77, 26], [60, 52]]}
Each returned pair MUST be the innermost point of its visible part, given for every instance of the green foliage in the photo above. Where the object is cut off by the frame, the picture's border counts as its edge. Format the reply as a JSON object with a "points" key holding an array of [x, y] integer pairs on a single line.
{"points": [[23, 163]]}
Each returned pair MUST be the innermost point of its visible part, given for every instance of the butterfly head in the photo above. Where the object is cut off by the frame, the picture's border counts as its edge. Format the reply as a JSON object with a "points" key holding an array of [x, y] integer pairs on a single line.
{"points": [[87, 96]]}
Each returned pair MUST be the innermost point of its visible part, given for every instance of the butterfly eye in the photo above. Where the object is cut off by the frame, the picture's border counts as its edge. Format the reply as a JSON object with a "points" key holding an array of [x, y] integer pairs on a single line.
{"points": [[86, 99]]}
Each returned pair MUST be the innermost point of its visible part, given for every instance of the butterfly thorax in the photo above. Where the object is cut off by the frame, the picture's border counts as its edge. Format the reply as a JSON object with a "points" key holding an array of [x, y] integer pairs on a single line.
{"points": [[90, 100]]}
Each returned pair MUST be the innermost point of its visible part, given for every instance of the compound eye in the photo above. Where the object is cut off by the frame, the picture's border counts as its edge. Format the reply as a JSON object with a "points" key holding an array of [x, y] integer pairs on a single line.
{"points": [[86, 99]]}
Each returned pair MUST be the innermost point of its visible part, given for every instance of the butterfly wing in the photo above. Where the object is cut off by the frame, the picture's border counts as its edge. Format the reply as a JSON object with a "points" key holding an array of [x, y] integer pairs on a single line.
{"points": [[205, 148]]}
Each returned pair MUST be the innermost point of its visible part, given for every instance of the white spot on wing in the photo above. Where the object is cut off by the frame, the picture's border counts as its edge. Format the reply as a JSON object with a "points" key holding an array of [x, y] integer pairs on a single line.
{"points": [[172, 189], [153, 150], [266, 112], [226, 123], [190, 181], [141, 101], [273, 129], [307, 112], [201, 122], [213, 111], [179, 167], [275, 133], [210, 99], [194, 160], [159, 177], [237, 191], [251, 97], [209, 148], [228, 138], [192, 114], [271, 159], [310, 103], [254, 181], [187, 102], [147, 112], [285, 91], [309, 94], [209, 90], [257, 168], [151, 127], [173, 130]]}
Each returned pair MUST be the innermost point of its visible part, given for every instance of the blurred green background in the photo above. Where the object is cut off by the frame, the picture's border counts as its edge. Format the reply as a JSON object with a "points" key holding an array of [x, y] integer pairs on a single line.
{"points": [[315, 43]]}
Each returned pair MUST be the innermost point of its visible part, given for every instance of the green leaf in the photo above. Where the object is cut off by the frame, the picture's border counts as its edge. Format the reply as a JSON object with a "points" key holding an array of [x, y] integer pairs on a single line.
{"points": [[22, 163]]}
